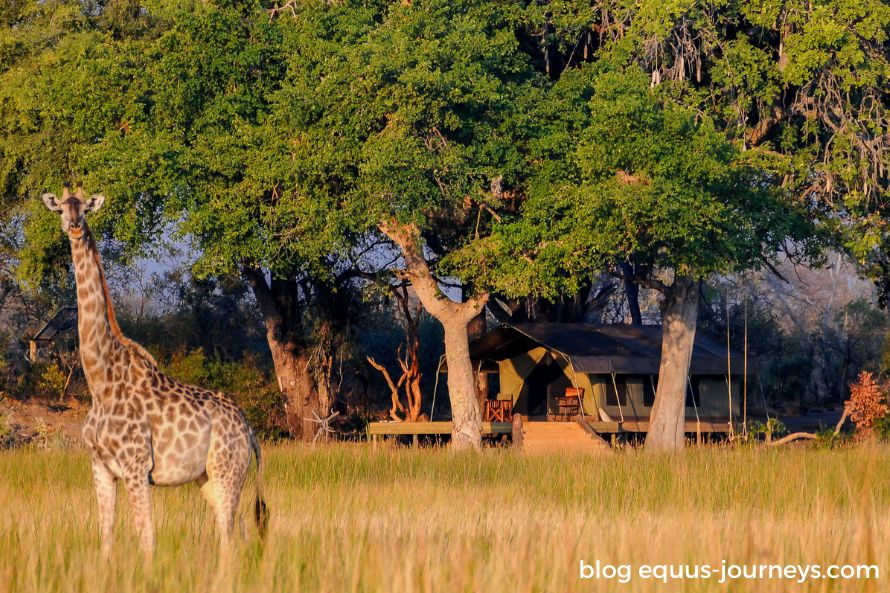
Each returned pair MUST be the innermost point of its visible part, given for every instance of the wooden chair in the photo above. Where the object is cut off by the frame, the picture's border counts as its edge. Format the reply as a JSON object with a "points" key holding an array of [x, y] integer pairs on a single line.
{"points": [[491, 410], [506, 409], [498, 410], [569, 405]]}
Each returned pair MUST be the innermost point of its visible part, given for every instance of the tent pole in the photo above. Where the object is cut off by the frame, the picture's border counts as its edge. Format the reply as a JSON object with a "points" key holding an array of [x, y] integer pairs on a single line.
{"points": [[617, 397], [763, 398], [694, 407], [652, 383], [728, 366], [436, 386], [745, 375]]}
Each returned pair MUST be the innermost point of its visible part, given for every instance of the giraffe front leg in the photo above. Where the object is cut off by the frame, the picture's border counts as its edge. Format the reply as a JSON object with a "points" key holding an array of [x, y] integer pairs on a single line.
{"points": [[106, 495], [140, 503]]}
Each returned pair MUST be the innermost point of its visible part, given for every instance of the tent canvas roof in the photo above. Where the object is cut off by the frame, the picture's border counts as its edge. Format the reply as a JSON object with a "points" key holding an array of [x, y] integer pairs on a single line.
{"points": [[63, 321], [625, 349]]}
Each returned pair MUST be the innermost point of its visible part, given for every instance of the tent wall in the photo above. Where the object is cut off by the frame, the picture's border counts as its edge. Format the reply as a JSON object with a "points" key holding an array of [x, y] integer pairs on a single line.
{"points": [[633, 406], [713, 397], [713, 400]]}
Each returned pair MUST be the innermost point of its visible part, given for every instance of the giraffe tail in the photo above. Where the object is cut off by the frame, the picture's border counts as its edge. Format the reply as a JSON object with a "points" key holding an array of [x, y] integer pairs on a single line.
{"points": [[260, 510]]}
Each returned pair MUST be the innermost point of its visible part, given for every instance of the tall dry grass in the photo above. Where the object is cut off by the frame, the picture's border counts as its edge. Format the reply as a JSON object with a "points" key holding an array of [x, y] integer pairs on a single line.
{"points": [[346, 518]]}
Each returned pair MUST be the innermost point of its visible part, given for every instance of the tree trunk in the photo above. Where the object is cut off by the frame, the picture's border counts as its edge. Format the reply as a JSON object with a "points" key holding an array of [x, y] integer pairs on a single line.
{"points": [[668, 418], [632, 292], [279, 304], [466, 430], [296, 383], [475, 330], [466, 419]]}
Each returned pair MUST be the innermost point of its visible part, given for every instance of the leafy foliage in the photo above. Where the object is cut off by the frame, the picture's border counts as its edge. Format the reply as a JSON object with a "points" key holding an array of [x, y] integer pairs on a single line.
{"points": [[797, 86], [773, 427], [647, 181], [535, 145], [867, 404]]}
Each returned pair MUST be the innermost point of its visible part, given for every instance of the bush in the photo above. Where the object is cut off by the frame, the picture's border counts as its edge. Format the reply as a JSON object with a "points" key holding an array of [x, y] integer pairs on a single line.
{"points": [[244, 380], [867, 404], [827, 438], [773, 427], [7, 433], [882, 428], [50, 381]]}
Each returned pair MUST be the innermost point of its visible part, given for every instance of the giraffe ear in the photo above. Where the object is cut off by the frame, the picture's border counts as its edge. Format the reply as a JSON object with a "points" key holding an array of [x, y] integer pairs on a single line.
{"points": [[52, 202], [94, 203]]}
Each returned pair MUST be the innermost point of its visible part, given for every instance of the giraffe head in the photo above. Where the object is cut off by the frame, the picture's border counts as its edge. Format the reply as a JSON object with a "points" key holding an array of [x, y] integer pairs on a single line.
{"points": [[73, 208]]}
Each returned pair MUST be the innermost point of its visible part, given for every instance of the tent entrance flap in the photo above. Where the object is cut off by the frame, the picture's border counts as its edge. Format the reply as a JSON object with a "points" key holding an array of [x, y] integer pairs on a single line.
{"points": [[514, 371]]}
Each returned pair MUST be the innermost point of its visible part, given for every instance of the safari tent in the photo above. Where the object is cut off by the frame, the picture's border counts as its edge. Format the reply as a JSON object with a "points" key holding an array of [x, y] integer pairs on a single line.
{"points": [[531, 364]]}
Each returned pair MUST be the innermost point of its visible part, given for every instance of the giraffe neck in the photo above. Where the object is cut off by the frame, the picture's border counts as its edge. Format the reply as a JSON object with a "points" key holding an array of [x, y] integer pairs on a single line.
{"points": [[96, 323]]}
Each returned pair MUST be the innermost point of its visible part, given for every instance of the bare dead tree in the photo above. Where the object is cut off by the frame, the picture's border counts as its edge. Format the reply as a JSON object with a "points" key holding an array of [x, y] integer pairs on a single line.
{"points": [[71, 362], [409, 363]]}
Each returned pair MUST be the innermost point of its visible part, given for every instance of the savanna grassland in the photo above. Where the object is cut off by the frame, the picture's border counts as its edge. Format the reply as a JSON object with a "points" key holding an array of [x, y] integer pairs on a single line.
{"points": [[347, 518]]}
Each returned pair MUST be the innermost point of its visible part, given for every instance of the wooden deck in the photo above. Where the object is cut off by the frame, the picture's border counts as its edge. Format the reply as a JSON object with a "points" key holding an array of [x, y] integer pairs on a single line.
{"points": [[692, 426], [377, 430]]}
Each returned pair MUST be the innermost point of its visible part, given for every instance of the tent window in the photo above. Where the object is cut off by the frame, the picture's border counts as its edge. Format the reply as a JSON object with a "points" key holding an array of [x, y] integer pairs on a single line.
{"points": [[650, 384], [693, 393], [620, 398]]}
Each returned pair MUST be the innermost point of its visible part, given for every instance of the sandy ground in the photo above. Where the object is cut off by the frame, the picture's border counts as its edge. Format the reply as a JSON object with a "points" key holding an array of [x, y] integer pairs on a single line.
{"points": [[40, 423]]}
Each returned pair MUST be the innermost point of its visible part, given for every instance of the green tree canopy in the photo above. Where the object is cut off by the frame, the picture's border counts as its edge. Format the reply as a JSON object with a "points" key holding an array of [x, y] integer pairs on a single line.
{"points": [[643, 179], [802, 86]]}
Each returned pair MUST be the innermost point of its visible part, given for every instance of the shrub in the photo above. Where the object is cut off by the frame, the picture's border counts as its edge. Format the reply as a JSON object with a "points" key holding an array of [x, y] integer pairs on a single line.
{"points": [[7, 432], [50, 381], [867, 404], [244, 380], [882, 428], [771, 428], [827, 438]]}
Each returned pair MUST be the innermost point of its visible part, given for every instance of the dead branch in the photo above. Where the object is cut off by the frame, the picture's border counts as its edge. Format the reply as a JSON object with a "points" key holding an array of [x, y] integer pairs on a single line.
{"points": [[844, 416], [324, 425], [393, 387], [276, 10], [794, 437], [809, 435]]}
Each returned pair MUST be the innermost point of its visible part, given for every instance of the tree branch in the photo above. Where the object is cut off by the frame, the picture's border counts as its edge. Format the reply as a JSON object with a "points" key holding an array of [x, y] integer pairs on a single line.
{"points": [[256, 278], [426, 286]]}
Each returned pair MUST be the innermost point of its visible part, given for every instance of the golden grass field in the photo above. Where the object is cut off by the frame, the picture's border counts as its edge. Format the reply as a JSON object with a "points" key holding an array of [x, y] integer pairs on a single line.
{"points": [[347, 518]]}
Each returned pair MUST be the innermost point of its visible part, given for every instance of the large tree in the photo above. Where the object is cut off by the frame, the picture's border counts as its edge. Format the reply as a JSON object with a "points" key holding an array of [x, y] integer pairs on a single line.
{"points": [[414, 127], [164, 106]]}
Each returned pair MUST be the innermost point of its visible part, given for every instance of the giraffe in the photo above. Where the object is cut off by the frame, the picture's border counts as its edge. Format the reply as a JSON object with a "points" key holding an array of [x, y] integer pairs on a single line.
{"points": [[145, 428]]}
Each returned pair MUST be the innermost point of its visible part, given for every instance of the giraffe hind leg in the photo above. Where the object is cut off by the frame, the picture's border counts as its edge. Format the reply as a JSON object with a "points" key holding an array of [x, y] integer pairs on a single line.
{"points": [[222, 490], [223, 500]]}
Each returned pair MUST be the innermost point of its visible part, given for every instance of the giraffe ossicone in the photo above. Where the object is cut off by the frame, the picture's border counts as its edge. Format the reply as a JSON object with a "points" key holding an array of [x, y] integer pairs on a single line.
{"points": [[145, 428]]}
